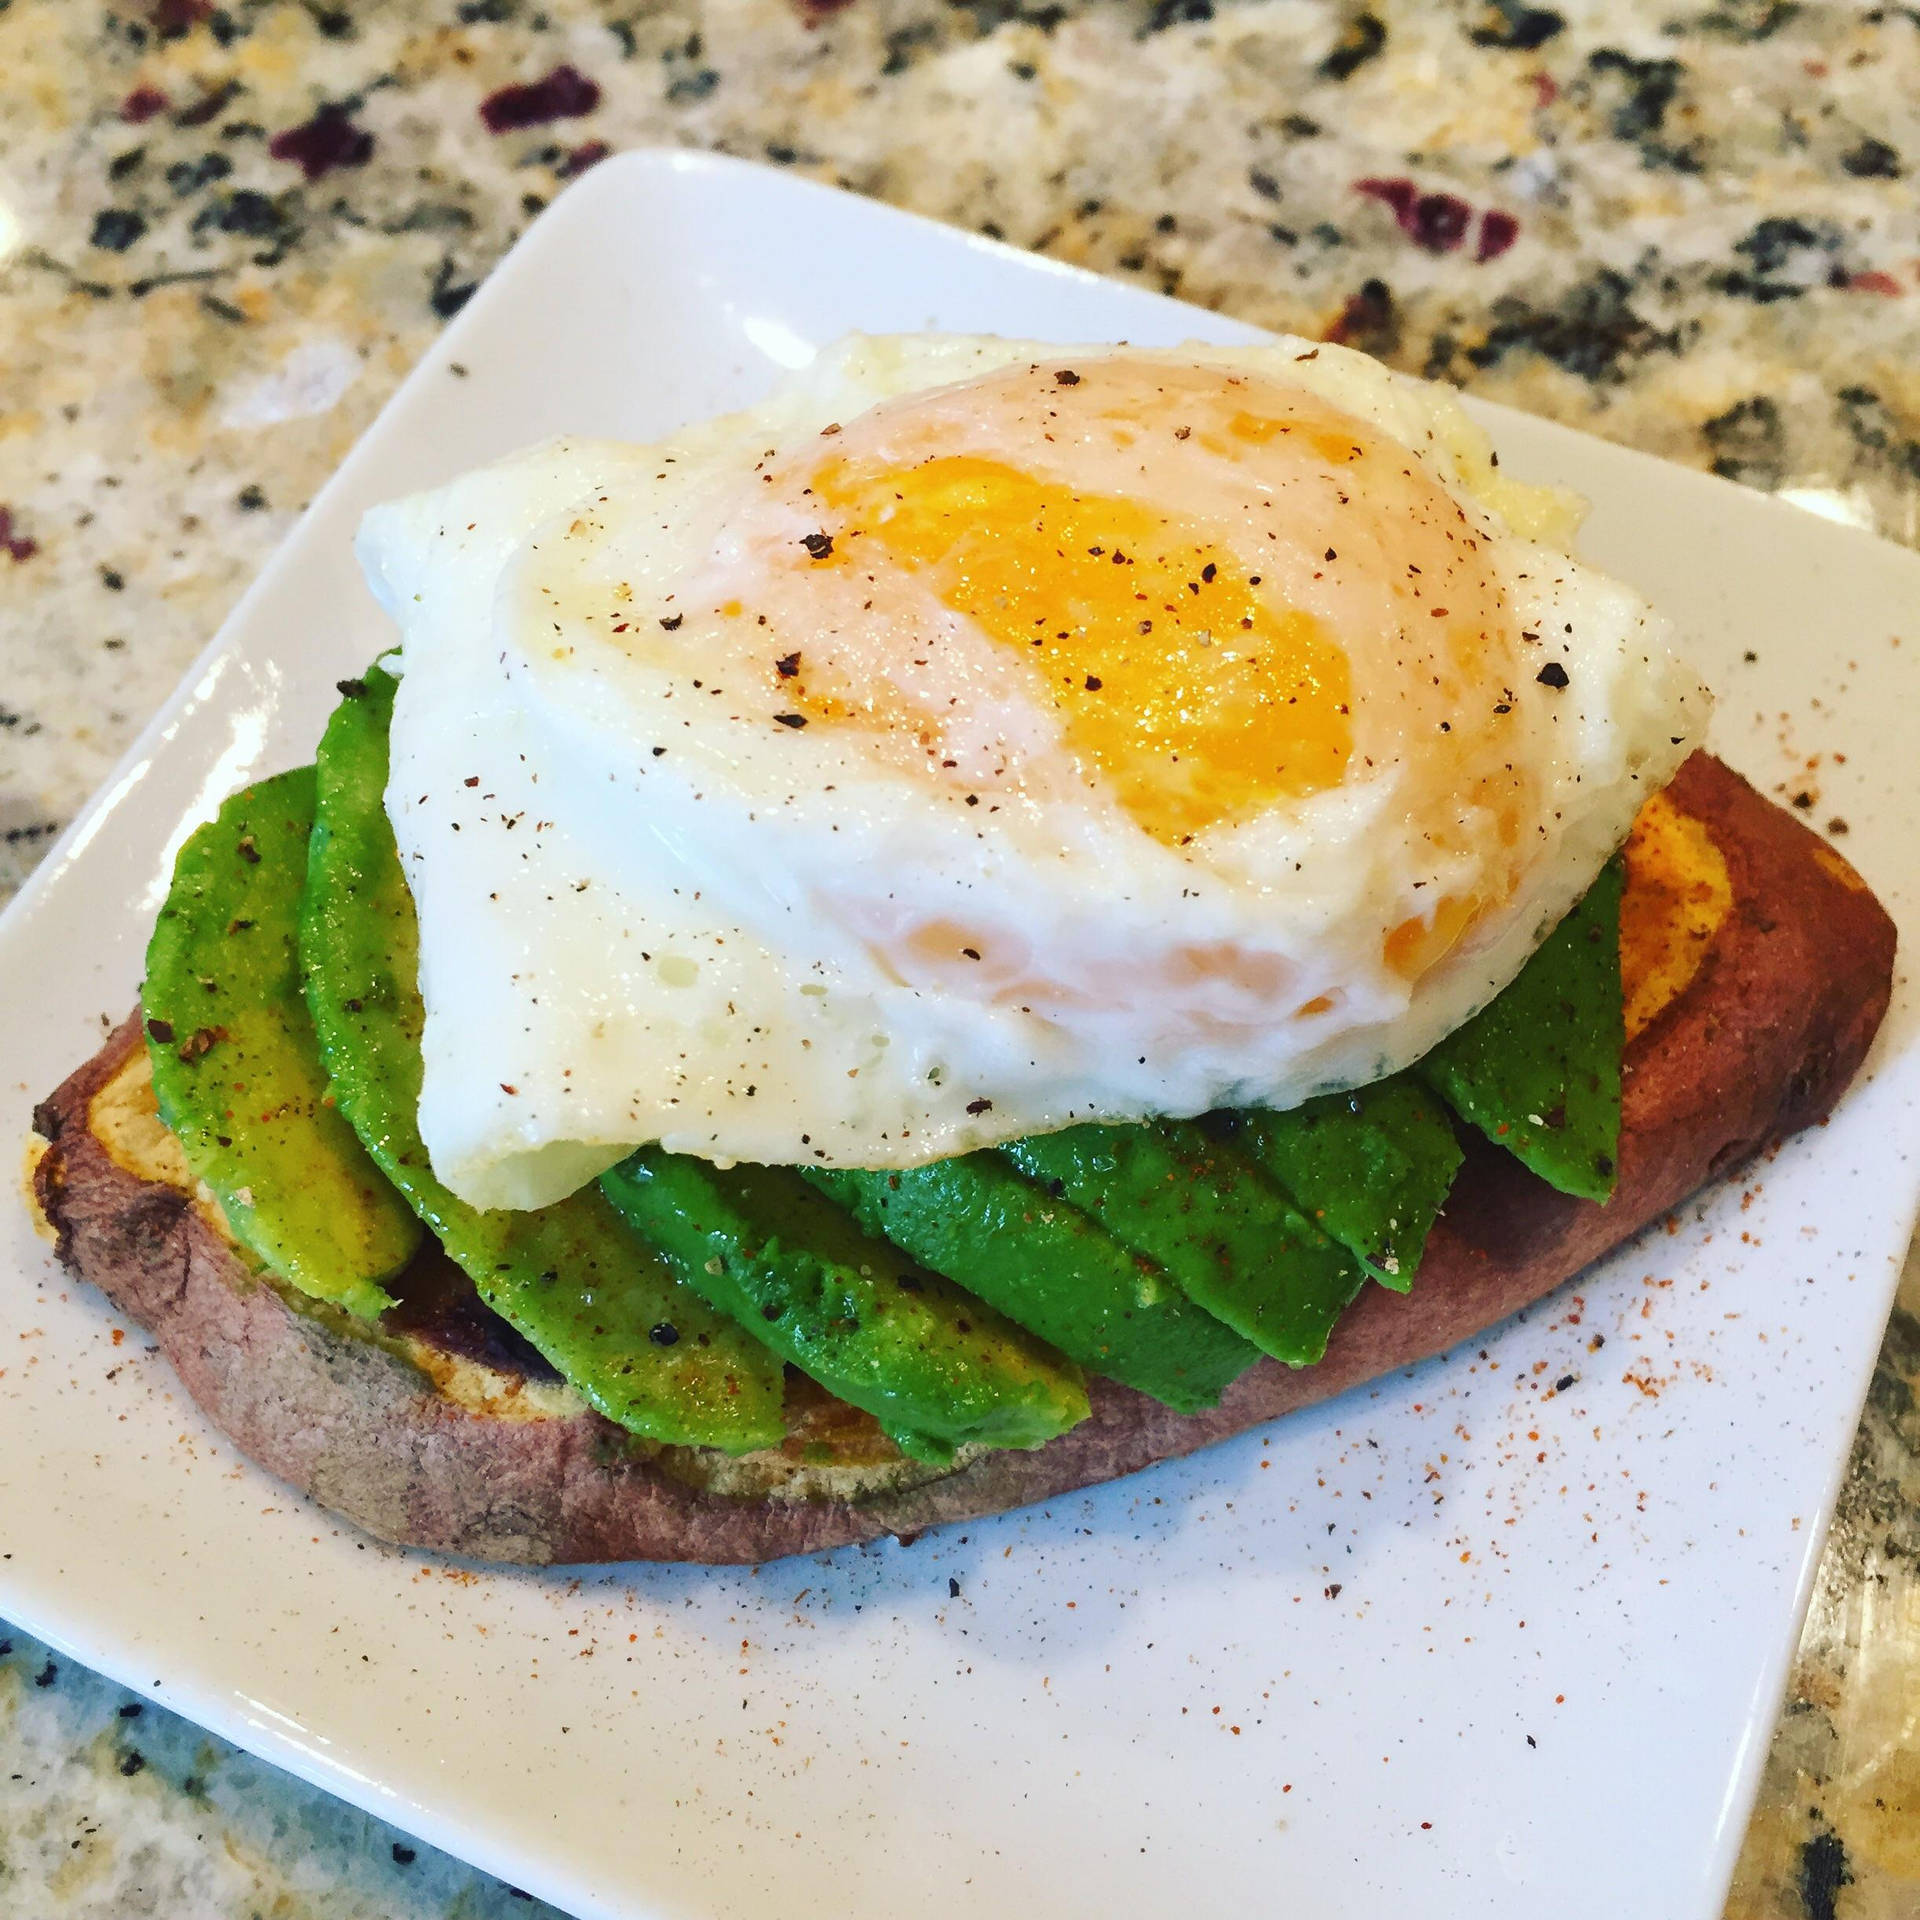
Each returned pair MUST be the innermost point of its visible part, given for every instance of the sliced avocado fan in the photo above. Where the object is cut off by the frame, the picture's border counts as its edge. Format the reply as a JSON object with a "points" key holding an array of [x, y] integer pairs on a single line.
{"points": [[1167, 1256]]}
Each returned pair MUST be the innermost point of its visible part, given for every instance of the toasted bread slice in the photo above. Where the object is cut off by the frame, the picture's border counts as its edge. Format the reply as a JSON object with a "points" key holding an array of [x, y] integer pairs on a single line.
{"points": [[1758, 968]]}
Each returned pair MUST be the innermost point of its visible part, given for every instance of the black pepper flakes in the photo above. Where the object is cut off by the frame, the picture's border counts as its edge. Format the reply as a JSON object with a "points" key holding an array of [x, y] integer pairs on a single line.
{"points": [[351, 689], [1094, 683], [787, 665], [819, 545], [794, 720], [979, 1106], [666, 1334], [1553, 674], [161, 1032], [1066, 377]]}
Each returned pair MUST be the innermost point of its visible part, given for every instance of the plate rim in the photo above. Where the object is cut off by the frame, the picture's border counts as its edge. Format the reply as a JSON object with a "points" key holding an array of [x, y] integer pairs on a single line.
{"points": [[71, 845]]}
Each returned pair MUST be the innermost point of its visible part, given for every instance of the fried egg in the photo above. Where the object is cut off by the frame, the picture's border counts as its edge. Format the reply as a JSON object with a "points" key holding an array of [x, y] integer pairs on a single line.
{"points": [[979, 737]]}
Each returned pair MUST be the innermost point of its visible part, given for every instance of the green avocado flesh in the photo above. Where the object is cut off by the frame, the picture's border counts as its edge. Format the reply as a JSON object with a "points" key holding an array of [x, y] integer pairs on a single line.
{"points": [[1371, 1168], [236, 1071], [1232, 1241], [604, 1310], [1051, 1269], [935, 1367], [1538, 1071]]}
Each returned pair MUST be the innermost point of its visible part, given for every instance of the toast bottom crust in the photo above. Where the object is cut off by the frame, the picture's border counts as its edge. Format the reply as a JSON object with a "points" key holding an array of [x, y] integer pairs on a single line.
{"points": [[1762, 1043]]}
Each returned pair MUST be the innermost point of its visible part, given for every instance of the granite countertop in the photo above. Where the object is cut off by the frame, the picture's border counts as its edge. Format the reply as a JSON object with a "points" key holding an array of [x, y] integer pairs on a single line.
{"points": [[226, 231]]}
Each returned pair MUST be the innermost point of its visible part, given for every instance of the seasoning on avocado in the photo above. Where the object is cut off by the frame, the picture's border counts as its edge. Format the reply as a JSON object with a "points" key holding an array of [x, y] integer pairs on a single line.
{"points": [[202, 1041]]}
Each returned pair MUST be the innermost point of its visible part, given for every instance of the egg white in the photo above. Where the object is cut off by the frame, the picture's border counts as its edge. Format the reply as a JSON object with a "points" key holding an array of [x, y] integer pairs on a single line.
{"points": [[651, 911]]}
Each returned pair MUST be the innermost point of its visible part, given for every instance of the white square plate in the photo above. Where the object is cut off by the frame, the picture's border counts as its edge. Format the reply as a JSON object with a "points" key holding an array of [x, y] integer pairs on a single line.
{"points": [[1455, 1644]]}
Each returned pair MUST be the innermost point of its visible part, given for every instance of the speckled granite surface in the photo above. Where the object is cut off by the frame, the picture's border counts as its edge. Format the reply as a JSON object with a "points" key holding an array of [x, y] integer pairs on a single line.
{"points": [[226, 231]]}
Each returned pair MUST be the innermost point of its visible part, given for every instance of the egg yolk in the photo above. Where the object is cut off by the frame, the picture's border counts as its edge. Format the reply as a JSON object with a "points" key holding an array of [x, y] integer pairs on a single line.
{"points": [[1226, 594], [1197, 698]]}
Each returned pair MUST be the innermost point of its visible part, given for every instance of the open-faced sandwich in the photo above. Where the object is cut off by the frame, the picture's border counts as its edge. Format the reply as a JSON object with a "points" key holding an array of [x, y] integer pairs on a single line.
{"points": [[1004, 915]]}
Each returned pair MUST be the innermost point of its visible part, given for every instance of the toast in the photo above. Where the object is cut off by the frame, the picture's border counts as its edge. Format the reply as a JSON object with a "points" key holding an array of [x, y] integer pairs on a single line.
{"points": [[443, 1429]]}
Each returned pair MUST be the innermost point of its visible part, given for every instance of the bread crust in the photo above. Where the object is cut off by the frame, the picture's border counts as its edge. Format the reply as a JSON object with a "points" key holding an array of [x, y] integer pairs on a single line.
{"points": [[1762, 1042]]}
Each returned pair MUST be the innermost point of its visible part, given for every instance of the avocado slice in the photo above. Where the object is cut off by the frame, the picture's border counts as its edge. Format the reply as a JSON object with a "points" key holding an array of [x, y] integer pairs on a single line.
{"points": [[1538, 1070], [1234, 1243], [936, 1368], [638, 1346], [1050, 1268], [1372, 1168], [236, 1066]]}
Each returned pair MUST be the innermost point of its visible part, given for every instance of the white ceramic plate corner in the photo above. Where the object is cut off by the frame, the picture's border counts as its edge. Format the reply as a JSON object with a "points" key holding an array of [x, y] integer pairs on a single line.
{"points": [[1298, 1673]]}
